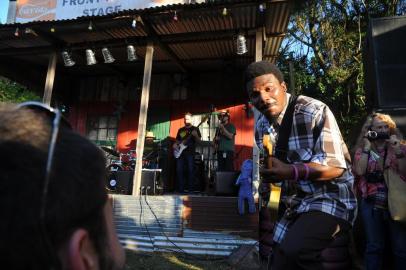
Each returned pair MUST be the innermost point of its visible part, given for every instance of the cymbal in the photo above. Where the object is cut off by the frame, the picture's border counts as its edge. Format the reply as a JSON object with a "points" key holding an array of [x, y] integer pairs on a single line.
{"points": [[110, 151]]}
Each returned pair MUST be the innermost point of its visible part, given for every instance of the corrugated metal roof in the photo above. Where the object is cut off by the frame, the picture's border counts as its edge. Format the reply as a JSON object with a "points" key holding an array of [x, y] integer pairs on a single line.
{"points": [[200, 38]]}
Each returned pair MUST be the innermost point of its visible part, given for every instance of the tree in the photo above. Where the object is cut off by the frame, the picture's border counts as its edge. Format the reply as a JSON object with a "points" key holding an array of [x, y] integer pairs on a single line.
{"points": [[324, 43], [14, 92]]}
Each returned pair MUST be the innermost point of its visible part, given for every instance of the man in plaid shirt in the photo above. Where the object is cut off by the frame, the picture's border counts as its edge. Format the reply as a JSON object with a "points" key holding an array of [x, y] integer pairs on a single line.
{"points": [[317, 184]]}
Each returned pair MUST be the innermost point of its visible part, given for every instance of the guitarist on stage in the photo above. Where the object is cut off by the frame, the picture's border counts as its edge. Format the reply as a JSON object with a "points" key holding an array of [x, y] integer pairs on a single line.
{"points": [[189, 136], [312, 163], [224, 142]]}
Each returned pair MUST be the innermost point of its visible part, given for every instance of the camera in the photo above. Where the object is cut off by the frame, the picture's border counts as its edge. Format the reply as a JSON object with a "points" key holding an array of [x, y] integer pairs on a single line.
{"points": [[373, 135], [375, 177]]}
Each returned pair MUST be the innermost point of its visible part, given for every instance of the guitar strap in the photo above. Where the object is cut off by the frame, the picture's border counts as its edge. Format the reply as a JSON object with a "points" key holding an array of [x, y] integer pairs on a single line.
{"points": [[281, 150]]}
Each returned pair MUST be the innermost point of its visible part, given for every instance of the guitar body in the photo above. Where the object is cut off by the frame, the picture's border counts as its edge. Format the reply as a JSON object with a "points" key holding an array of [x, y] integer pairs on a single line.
{"points": [[178, 151]]}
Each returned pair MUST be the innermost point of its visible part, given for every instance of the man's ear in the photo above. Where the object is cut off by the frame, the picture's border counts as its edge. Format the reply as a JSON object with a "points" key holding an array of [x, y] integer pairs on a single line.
{"points": [[285, 87], [79, 252]]}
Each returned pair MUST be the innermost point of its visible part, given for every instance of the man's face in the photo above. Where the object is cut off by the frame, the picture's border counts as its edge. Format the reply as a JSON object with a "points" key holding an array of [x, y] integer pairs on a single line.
{"points": [[116, 252], [268, 95], [188, 120]]}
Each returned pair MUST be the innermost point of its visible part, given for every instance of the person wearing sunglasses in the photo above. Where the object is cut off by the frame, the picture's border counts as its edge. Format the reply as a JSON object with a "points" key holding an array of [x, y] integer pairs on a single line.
{"points": [[56, 213]]}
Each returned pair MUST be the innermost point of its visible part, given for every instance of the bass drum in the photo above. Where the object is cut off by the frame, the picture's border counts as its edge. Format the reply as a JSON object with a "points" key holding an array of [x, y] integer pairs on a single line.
{"points": [[114, 168]]}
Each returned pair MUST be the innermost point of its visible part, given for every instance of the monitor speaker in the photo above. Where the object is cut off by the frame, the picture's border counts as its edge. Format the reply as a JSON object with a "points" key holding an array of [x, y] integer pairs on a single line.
{"points": [[225, 183], [385, 63]]}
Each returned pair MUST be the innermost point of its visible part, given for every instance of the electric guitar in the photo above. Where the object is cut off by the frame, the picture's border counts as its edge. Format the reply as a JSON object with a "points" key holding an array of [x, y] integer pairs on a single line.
{"points": [[183, 145], [271, 193]]}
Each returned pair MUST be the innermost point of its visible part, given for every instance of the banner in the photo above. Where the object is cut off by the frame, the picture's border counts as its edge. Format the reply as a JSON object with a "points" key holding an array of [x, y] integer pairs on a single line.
{"points": [[40, 10]]}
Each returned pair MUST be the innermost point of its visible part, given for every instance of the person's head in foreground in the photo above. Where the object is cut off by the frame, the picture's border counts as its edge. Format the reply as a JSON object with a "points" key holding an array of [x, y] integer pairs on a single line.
{"points": [[55, 209], [266, 88]]}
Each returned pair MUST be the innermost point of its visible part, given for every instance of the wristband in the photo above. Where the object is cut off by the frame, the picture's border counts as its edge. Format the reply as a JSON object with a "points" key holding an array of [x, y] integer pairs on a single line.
{"points": [[295, 173], [307, 171]]}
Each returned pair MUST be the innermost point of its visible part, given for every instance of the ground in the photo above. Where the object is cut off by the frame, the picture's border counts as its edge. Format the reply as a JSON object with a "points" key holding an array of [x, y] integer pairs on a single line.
{"points": [[168, 261]]}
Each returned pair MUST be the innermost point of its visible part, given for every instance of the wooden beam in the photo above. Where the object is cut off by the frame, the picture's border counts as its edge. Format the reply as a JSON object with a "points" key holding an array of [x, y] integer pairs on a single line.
{"points": [[49, 82], [255, 149], [142, 121]]}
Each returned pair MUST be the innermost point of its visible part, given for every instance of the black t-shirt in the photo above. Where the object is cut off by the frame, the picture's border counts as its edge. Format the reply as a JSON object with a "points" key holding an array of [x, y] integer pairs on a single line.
{"points": [[185, 133]]}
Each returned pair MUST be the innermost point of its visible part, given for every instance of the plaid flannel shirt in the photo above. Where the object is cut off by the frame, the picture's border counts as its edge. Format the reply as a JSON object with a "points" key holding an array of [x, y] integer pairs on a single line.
{"points": [[335, 197]]}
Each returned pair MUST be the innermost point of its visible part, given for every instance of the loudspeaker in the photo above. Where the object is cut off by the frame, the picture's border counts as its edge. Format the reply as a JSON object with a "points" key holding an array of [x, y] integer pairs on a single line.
{"points": [[225, 183], [121, 182], [384, 63]]}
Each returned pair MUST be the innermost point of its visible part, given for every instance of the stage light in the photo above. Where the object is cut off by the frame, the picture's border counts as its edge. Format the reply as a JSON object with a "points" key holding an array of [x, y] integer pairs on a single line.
{"points": [[241, 45], [224, 12], [108, 57], [90, 27], [131, 55], [67, 59], [90, 58], [17, 32], [134, 23]]}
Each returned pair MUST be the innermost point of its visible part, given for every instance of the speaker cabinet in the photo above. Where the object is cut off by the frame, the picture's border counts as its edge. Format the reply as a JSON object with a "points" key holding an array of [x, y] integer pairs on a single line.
{"points": [[225, 183], [385, 63], [121, 182]]}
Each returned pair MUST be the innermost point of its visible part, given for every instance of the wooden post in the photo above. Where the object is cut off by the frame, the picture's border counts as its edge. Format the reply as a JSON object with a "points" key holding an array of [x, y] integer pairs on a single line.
{"points": [[255, 150], [49, 82], [142, 121]]}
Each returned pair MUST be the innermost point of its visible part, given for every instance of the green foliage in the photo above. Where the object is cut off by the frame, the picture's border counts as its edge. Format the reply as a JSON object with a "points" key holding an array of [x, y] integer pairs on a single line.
{"points": [[324, 44], [14, 92]]}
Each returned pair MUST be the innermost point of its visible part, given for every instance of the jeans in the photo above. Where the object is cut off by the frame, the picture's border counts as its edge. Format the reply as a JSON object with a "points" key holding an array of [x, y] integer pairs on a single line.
{"points": [[187, 160], [377, 223]]}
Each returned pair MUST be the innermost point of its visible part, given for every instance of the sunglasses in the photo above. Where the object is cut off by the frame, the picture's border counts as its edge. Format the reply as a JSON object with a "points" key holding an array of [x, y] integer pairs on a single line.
{"points": [[56, 119]]}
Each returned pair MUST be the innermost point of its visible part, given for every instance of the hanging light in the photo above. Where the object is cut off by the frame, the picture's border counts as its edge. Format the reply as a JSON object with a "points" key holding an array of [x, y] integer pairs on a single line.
{"points": [[241, 45], [175, 17], [90, 58], [90, 27], [262, 7], [131, 55], [134, 23], [17, 32], [52, 30], [108, 57], [224, 12], [67, 59]]}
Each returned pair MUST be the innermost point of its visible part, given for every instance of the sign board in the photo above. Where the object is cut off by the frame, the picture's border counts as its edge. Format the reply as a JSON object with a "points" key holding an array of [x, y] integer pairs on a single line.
{"points": [[48, 10]]}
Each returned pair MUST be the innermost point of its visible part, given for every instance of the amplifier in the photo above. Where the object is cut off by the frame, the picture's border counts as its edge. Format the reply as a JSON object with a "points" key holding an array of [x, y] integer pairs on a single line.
{"points": [[121, 182], [225, 183]]}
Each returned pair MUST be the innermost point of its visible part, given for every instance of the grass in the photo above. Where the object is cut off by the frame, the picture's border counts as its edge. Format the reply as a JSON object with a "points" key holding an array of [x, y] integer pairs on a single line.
{"points": [[168, 261]]}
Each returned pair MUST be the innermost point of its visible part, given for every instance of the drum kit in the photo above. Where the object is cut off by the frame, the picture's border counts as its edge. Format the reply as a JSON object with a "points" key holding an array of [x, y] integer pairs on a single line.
{"points": [[120, 161]]}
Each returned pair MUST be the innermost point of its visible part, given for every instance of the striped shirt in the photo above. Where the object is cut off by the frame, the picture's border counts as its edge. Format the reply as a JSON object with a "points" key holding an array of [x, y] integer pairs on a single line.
{"points": [[334, 197]]}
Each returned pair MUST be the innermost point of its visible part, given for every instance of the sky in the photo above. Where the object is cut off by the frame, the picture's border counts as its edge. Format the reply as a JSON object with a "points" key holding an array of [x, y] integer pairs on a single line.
{"points": [[3, 10]]}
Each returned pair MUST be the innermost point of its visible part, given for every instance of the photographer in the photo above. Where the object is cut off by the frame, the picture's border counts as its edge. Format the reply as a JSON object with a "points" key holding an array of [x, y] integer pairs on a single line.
{"points": [[378, 149]]}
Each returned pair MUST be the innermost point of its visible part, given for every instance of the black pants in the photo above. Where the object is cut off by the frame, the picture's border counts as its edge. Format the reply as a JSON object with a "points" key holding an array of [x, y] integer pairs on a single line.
{"points": [[225, 161], [310, 234]]}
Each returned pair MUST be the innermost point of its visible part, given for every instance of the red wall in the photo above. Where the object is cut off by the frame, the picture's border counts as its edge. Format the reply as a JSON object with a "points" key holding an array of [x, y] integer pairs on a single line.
{"points": [[128, 124]]}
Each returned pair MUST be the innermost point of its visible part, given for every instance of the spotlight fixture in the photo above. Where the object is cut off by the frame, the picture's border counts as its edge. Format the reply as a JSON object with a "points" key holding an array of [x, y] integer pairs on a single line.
{"points": [[241, 45], [131, 55], [175, 17], [90, 58], [262, 7], [17, 32], [67, 59], [224, 12], [90, 27], [52, 30], [134, 23], [108, 57]]}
